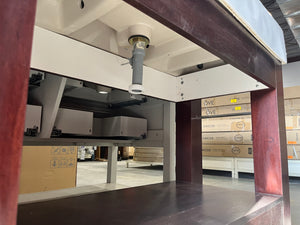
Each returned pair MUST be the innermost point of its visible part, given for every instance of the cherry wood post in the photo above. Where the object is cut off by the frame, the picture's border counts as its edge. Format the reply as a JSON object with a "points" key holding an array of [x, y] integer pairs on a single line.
{"points": [[189, 142], [16, 29], [269, 143]]}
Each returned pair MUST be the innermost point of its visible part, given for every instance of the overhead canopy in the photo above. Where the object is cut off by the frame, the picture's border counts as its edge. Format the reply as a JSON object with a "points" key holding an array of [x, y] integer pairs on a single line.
{"points": [[260, 23], [184, 35]]}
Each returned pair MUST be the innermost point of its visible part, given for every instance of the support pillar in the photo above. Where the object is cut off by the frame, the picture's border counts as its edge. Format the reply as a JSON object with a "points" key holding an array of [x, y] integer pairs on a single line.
{"points": [[189, 142], [112, 164], [49, 95], [169, 142], [269, 143], [16, 29]]}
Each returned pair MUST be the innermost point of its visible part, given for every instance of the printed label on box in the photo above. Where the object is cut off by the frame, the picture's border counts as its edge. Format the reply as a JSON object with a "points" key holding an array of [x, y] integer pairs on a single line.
{"points": [[57, 163], [236, 150], [238, 138], [59, 150], [210, 102]]}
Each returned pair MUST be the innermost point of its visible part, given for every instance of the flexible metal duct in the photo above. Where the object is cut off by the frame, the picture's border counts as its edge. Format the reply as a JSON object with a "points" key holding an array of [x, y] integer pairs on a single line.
{"points": [[291, 11]]}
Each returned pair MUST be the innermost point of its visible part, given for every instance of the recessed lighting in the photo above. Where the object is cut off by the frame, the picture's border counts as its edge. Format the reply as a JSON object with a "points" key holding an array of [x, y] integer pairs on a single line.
{"points": [[103, 90]]}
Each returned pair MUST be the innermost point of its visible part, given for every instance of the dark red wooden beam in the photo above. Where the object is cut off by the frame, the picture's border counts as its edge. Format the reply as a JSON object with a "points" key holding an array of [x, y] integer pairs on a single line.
{"points": [[209, 25], [16, 29], [269, 143], [189, 142]]}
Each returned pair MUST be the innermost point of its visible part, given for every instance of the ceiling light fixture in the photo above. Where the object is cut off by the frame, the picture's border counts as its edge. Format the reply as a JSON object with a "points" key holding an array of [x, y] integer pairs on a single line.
{"points": [[103, 90]]}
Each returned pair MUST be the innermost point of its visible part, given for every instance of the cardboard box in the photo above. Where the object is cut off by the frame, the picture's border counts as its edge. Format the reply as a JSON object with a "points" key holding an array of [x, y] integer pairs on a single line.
{"points": [[293, 151], [128, 152], [149, 159], [227, 138], [131, 151], [243, 151], [292, 106], [148, 154], [137, 154], [235, 123], [235, 99], [148, 150], [46, 168], [293, 137], [243, 138], [291, 92], [223, 110], [292, 122]]}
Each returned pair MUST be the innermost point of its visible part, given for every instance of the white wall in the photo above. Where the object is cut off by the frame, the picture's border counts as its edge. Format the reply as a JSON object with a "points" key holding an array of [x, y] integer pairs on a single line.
{"points": [[153, 110], [58, 54], [216, 81], [291, 74]]}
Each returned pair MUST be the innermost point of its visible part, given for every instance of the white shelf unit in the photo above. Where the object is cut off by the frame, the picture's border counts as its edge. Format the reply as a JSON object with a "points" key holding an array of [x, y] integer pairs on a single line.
{"points": [[219, 163], [244, 165]]}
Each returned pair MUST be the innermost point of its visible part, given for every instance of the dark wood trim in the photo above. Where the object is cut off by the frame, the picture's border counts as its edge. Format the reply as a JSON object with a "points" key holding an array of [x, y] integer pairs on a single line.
{"points": [[16, 29], [189, 142], [269, 143], [213, 28]]}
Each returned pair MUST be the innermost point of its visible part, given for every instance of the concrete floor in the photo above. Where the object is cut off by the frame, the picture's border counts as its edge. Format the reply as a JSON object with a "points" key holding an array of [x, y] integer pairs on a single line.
{"points": [[91, 173], [91, 178]]}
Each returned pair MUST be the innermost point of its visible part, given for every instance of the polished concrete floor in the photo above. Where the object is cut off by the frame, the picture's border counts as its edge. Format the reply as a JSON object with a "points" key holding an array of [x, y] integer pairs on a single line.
{"points": [[91, 178], [137, 174]]}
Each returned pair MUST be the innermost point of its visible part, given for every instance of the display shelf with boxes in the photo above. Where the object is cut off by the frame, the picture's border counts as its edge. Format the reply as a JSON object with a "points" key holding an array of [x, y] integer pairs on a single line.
{"points": [[226, 126], [227, 132], [292, 120]]}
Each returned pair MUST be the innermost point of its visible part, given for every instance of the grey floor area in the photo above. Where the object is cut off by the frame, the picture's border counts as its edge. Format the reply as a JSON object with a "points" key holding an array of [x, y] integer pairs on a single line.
{"points": [[91, 178]]}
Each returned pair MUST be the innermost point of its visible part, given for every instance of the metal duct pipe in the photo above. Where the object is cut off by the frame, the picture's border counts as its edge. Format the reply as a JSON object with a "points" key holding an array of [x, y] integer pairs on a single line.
{"points": [[139, 45], [291, 12]]}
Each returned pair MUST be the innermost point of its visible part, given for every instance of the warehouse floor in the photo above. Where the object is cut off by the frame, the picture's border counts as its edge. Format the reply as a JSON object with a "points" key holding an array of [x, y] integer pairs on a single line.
{"points": [[91, 178]]}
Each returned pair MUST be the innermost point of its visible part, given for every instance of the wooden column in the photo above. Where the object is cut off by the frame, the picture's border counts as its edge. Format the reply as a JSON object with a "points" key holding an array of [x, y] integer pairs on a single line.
{"points": [[16, 29], [269, 143], [189, 142]]}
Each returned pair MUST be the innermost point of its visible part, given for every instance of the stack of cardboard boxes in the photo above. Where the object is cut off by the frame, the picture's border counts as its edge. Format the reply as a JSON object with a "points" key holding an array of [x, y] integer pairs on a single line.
{"points": [[143, 154], [227, 127], [292, 120]]}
